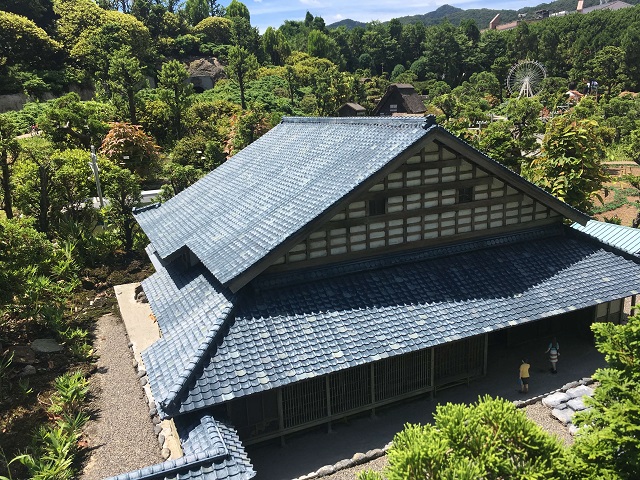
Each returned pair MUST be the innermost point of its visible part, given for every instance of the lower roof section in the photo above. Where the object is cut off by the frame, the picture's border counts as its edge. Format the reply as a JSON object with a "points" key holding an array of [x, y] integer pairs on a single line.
{"points": [[282, 333], [626, 239], [212, 451]]}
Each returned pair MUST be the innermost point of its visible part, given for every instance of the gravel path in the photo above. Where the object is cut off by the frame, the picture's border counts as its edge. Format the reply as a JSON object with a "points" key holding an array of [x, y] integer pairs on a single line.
{"points": [[120, 436]]}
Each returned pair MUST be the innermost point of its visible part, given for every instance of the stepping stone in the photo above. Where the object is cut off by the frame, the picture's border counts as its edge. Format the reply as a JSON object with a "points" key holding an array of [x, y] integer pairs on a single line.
{"points": [[580, 391], [555, 399], [46, 345], [565, 415], [576, 404]]}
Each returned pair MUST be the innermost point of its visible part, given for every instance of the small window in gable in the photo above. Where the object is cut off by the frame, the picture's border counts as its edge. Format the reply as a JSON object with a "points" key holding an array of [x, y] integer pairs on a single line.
{"points": [[378, 206], [465, 195]]}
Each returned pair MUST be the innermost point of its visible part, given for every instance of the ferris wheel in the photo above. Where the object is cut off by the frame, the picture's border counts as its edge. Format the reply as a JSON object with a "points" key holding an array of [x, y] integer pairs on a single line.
{"points": [[525, 78]]}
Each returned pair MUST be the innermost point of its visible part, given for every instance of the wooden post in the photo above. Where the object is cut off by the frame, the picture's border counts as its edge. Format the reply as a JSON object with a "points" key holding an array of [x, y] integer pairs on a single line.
{"points": [[328, 393], [372, 371], [433, 372], [281, 417], [486, 354]]}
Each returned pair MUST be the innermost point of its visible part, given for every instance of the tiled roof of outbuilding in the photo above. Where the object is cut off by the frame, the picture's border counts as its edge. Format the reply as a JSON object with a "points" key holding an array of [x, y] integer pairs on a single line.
{"points": [[212, 451], [340, 317], [626, 239]]}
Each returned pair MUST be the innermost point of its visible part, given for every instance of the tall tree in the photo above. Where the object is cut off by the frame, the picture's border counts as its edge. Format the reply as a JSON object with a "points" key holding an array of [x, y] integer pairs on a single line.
{"points": [[122, 188], [608, 67], [32, 176], [242, 67], [238, 9], [9, 149], [196, 11], [175, 91], [570, 166], [125, 78]]}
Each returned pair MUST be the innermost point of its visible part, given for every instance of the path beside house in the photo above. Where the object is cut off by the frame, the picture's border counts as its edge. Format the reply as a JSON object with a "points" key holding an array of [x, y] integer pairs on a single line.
{"points": [[120, 436]]}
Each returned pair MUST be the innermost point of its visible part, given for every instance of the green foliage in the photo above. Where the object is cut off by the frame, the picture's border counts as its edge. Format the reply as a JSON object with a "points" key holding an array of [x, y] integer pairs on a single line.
{"points": [[55, 447], [238, 9], [76, 17], [179, 177], [570, 166], [114, 32], [69, 122], [122, 188], [489, 439], [242, 67], [125, 78], [71, 390], [53, 186], [175, 92], [29, 287], [23, 42], [196, 11], [608, 445], [216, 30]]}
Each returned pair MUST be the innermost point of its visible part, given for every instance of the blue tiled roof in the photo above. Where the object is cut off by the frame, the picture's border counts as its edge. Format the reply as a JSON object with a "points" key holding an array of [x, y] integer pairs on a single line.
{"points": [[258, 201], [212, 451], [267, 192], [286, 332], [190, 308], [626, 239]]}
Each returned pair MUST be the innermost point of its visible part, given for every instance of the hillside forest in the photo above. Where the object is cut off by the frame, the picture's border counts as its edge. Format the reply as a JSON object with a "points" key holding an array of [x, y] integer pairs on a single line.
{"points": [[115, 76]]}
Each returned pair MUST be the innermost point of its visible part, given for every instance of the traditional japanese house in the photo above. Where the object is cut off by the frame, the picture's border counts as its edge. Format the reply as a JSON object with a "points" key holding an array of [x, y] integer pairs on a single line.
{"points": [[352, 110], [339, 264], [400, 98]]}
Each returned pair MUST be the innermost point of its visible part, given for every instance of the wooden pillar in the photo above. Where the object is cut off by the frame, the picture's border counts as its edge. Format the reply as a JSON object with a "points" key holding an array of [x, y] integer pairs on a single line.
{"points": [[328, 393], [486, 354], [433, 372], [281, 417], [372, 371]]}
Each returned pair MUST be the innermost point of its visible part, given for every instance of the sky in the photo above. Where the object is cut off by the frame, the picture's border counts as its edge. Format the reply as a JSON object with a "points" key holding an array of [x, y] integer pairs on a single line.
{"points": [[266, 13]]}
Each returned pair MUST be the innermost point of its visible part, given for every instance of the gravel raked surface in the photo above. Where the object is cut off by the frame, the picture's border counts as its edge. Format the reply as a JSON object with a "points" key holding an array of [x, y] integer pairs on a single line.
{"points": [[542, 416], [376, 465], [120, 436]]}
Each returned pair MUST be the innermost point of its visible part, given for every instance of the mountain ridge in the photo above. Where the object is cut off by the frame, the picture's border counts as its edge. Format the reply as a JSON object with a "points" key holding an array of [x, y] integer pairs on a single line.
{"points": [[482, 16]]}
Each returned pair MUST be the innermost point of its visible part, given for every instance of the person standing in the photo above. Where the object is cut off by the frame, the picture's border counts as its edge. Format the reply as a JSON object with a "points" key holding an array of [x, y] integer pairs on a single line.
{"points": [[554, 352], [524, 376]]}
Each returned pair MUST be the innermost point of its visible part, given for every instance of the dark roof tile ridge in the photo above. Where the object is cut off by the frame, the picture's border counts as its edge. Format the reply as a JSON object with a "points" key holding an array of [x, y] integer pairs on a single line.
{"points": [[384, 261], [382, 121], [162, 470]]}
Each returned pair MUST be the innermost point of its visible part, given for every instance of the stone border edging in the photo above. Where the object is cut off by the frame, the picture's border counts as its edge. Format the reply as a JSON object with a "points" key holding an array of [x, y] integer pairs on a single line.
{"points": [[564, 388], [357, 459], [161, 428], [360, 458]]}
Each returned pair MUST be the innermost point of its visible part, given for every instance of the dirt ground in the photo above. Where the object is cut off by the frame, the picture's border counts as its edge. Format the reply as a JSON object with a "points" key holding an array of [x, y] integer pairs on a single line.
{"points": [[626, 213]]}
